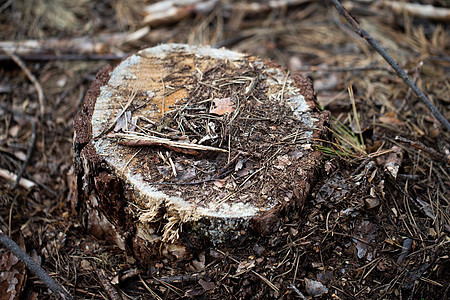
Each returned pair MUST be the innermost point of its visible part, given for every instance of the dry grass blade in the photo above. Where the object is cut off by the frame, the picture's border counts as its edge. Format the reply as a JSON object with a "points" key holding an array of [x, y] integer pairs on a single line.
{"points": [[267, 281], [355, 115], [154, 295], [346, 144]]}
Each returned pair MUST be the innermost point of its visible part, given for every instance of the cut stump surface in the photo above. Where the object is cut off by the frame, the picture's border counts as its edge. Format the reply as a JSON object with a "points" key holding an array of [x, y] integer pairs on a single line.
{"points": [[184, 146]]}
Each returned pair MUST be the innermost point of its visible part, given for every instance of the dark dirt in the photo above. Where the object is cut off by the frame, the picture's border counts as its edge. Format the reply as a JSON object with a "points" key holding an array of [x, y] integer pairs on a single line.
{"points": [[362, 233]]}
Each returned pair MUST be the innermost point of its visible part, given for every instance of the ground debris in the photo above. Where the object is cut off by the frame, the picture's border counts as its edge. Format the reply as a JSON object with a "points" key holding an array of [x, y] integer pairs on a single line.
{"points": [[364, 233], [315, 288]]}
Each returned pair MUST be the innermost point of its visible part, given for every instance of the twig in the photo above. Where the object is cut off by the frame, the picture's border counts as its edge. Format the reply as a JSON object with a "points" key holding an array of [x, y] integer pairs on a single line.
{"points": [[430, 151], [145, 140], [31, 77], [295, 289], [267, 281], [400, 72], [350, 236], [426, 11], [107, 286], [284, 85], [66, 57], [5, 6], [75, 47], [30, 144], [36, 269], [184, 278], [155, 296], [416, 78], [28, 184]]}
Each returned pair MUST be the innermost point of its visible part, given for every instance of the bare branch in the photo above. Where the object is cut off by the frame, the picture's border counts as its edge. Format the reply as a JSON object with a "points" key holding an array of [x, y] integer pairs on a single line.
{"points": [[37, 270], [400, 72]]}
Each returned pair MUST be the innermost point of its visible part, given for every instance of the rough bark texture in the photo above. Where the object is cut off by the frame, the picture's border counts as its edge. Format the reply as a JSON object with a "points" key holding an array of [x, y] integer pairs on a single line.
{"points": [[146, 223]]}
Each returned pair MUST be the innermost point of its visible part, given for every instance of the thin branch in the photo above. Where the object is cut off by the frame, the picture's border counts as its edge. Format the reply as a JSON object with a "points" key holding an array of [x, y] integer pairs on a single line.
{"points": [[30, 144], [36, 269], [25, 183], [107, 286], [32, 78], [426, 11], [400, 72], [428, 150], [65, 56], [134, 139]]}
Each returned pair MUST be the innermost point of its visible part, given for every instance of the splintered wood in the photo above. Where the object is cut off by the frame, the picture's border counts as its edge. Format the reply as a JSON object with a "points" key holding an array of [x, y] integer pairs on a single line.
{"points": [[180, 147]]}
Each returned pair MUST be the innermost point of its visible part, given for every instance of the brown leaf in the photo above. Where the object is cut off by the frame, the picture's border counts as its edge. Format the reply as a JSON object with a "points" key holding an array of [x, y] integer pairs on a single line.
{"points": [[220, 183], [191, 293], [178, 250], [283, 161], [315, 288], [222, 106], [391, 118], [206, 285], [198, 265]]}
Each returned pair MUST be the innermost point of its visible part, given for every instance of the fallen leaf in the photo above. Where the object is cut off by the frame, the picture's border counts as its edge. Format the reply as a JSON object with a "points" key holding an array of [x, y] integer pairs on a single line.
{"points": [[393, 161], [367, 233], [385, 265], [191, 293], [245, 266], [315, 288], [371, 202], [220, 183], [198, 265], [283, 161], [85, 265], [391, 119], [222, 106], [246, 170], [206, 285], [178, 250], [14, 130]]}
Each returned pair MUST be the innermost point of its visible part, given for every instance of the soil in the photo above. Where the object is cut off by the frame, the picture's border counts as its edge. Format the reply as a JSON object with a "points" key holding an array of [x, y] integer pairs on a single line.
{"points": [[376, 224]]}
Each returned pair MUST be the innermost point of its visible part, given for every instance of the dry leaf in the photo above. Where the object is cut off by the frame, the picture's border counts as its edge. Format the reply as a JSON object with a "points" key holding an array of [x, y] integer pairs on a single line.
{"points": [[315, 288], [220, 183], [245, 266], [391, 118], [283, 161], [206, 285], [222, 106]]}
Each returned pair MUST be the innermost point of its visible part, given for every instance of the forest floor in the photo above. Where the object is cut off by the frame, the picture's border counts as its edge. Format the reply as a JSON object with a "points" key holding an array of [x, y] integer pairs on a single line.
{"points": [[377, 223]]}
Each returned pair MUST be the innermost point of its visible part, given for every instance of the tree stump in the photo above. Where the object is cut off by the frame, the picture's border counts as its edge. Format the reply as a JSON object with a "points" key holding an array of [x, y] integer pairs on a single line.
{"points": [[180, 147]]}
